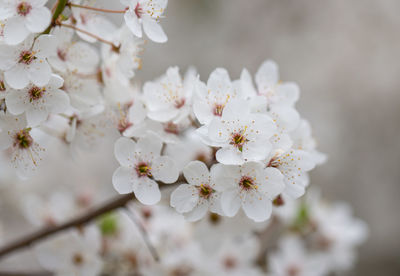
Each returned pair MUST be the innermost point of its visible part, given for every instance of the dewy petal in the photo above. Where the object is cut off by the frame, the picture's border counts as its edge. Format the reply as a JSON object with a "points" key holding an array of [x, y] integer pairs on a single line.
{"points": [[124, 149], [39, 72], [123, 180], [17, 77], [184, 198], [15, 31], [133, 23], [198, 212], [196, 173], [267, 74], [163, 168], [258, 207], [147, 191], [38, 19], [230, 202], [153, 30]]}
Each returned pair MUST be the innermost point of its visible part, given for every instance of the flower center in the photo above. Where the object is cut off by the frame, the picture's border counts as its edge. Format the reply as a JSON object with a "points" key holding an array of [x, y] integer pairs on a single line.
{"points": [[239, 139], [278, 201], [230, 263], [179, 103], [293, 271], [61, 54], [143, 170], [23, 139], [247, 183], [77, 259], [23, 8], [138, 11], [171, 128], [26, 57], [123, 125], [218, 108], [205, 191], [35, 93]]}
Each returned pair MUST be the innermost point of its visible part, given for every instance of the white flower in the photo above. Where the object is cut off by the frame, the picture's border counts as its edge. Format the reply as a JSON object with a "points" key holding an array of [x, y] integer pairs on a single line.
{"points": [[210, 99], [294, 165], [199, 195], [242, 136], [131, 118], [146, 13], [126, 59], [169, 97], [91, 22], [236, 257], [24, 63], [72, 252], [23, 18], [3, 87], [38, 102], [19, 139], [250, 186], [141, 165], [76, 56], [269, 86], [303, 140], [292, 259]]}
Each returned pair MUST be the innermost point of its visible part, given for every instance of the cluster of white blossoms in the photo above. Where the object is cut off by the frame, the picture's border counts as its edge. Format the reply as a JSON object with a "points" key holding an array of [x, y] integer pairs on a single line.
{"points": [[235, 153]]}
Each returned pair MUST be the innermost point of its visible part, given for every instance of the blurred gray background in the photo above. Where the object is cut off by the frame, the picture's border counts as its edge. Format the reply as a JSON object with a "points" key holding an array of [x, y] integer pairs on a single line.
{"points": [[345, 55]]}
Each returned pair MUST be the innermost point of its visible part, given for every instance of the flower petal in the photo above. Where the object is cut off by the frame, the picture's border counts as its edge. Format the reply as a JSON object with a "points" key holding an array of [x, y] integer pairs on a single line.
{"points": [[184, 198], [153, 30], [123, 180], [257, 206], [124, 149], [38, 19], [164, 169], [147, 191], [196, 173]]}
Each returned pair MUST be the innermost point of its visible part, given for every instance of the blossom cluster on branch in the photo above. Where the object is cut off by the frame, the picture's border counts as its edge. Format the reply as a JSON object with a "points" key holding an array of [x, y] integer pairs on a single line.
{"points": [[236, 151]]}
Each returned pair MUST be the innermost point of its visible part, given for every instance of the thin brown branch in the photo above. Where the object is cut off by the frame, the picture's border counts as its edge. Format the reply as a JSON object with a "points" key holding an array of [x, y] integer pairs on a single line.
{"points": [[18, 273], [23, 242], [95, 9], [144, 234], [113, 46]]}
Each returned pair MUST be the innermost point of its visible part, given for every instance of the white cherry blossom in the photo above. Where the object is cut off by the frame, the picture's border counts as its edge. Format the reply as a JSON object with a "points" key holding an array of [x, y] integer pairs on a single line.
{"points": [[210, 99], [146, 13], [24, 62], [250, 186], [242, 136], [24, 151], [38, 102], [141, 165], [199, 195], [169, 97], [23, 18], [72, 252], [294, 165]]}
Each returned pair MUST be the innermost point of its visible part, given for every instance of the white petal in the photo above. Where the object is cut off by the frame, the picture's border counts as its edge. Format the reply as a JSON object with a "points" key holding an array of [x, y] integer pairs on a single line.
{"points": [[124, 149], [229, 156], [133, 23], [57, 101], [38, 19], [15, 102], [123, 180], [290, 92], [184, 198], [196, 173], [163, 168], [271, 182], [17, 77], [267, 74], [147, 191], [8, 56], [149, 146], [39, 72], [163, 115], [45, 46], [198, 212], [230, 202], [257, 206], [36, 116], [15, 31], [82, 57], [154, 31], [203, 111]]}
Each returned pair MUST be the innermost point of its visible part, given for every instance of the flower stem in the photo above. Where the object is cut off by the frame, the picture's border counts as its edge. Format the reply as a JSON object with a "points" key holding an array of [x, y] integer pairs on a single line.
{"points": [[59, 9], [95, 9]]}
